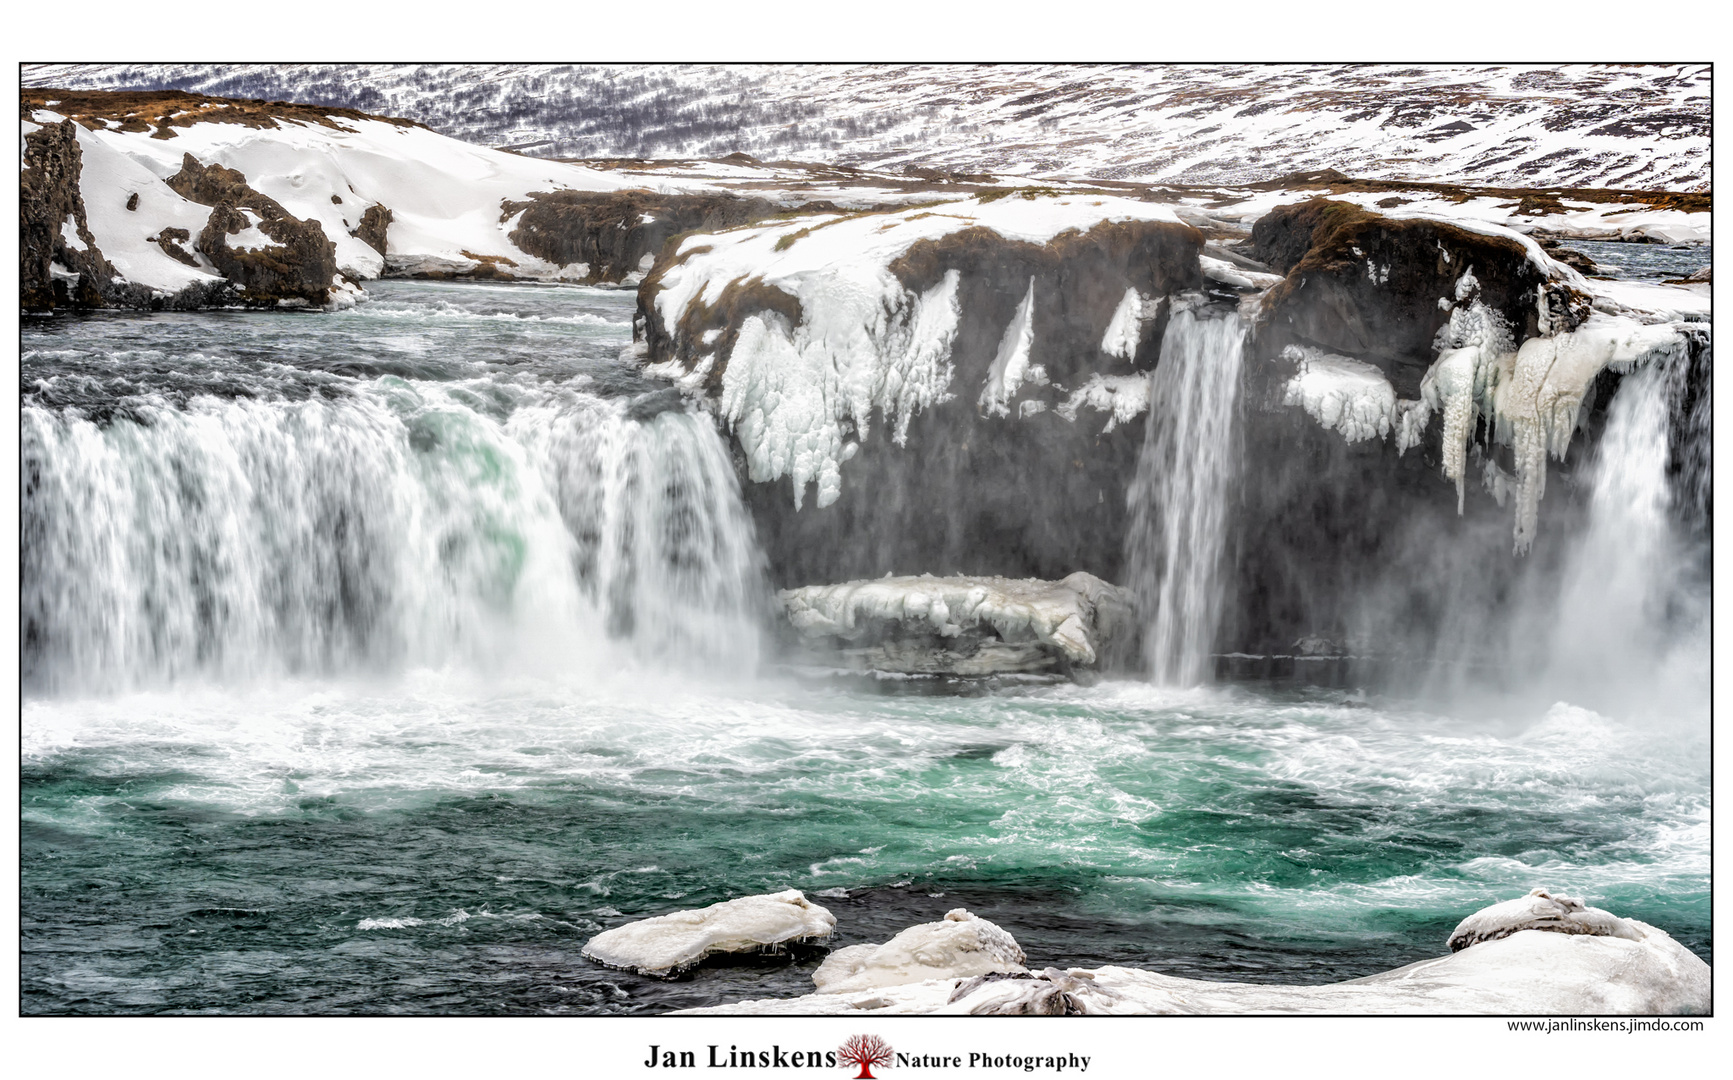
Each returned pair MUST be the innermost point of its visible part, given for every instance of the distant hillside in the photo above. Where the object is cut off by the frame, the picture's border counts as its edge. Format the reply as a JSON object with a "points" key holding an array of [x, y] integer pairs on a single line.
{"points": [[1578, 125]]}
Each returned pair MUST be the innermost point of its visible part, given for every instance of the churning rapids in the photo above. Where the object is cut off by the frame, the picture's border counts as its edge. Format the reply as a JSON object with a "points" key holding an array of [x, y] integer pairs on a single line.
{"points": [[374, 661]]}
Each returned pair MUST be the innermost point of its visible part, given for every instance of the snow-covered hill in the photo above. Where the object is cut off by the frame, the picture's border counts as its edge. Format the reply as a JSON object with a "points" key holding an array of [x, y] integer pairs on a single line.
{"points": [[1625, 126], [381, 193]]}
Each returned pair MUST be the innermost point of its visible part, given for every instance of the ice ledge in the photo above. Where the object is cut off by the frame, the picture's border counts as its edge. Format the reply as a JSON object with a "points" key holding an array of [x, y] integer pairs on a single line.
{"points": [[962, 625]]}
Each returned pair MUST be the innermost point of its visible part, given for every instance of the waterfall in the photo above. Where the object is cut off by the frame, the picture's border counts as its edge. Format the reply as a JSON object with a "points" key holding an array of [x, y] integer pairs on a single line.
{"points": [[1629, 600], [402, 524], [1178, 497]]}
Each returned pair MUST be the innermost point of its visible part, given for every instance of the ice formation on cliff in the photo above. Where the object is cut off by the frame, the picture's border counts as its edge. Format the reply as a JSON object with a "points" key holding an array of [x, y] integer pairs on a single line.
{"points": [[1532, 396], [1122, 397], [795, 394], [1011, 364], [798, 394], [1126, 326], [1346, 396], [1540, 393]]}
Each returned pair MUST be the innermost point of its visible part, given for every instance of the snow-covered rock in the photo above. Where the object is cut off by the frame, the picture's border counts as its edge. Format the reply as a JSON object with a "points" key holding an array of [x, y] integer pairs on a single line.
{"points": [[1539, 910], [963, 625], [1599, 965], [958, 946], [667, 945]]}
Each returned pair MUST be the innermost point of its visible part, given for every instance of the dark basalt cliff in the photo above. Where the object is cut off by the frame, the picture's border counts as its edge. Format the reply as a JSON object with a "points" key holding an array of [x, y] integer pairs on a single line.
{"points": [[614, 232], [48, 198], [300, 267], [1368, 286], [1358, 543], [970, 493]]}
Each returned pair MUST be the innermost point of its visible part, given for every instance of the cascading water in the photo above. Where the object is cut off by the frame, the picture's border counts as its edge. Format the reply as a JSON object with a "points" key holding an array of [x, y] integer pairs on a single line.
{"points": [[1629, 601], [390, 523], [1178, 498]]}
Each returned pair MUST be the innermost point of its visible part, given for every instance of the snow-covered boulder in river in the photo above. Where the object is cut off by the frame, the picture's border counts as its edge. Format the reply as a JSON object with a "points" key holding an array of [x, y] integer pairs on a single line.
{"points": [[1566, 959], [958, 946], [962, 625], [1540, 910], [667, 945]]}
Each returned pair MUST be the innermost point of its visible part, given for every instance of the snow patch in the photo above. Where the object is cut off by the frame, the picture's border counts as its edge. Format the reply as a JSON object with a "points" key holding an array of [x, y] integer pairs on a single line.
{"points": [[69, 233], [1245, 280]]}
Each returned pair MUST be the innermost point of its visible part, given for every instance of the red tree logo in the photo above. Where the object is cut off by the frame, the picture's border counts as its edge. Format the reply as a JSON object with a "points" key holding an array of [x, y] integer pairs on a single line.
{"points": [[865, 1051]]}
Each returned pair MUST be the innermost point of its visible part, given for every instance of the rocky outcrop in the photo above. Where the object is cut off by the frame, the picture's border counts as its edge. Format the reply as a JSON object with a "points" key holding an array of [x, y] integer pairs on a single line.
{"points": [[375, 220], [297, 266], [165, 111], [1370, 414], [963, 626], [619, 233], [966, 400], [1572, 258], [1369, 285], [59, 264]]}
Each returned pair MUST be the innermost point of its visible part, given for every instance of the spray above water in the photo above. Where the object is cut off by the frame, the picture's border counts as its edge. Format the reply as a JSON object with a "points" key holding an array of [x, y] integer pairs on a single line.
{"points": [[1179, 496]]}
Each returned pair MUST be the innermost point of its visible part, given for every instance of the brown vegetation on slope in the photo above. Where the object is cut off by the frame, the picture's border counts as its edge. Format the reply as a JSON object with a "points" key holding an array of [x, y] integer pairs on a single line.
{"points": [[165, 110]]}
